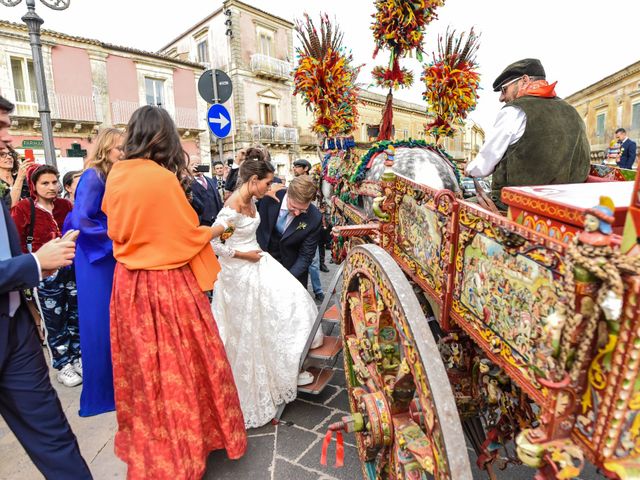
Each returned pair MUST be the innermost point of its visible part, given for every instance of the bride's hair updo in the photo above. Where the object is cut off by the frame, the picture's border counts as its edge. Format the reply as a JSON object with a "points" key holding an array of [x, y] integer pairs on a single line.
{"points": [[257, 162]]}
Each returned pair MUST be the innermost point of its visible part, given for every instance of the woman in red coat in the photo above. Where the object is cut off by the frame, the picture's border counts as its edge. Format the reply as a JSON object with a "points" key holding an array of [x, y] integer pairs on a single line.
{"points": [[40, 219]]}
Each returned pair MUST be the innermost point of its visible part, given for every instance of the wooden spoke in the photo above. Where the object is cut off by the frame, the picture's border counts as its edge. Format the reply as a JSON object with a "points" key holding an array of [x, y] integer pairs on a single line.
{"points": [[398, 387]]}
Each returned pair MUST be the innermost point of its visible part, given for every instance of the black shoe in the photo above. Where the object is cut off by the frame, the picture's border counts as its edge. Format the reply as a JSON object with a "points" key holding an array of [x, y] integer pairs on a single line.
{"points": [[323, 268], [320, 297]]}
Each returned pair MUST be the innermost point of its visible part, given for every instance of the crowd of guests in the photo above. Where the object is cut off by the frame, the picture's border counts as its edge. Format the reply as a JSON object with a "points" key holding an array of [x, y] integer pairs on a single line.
{"points": [[147, 317]]}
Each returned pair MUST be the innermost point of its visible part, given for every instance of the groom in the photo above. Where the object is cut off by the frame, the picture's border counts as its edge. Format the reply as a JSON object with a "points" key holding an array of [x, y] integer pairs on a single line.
{"points": [[290, 228]]}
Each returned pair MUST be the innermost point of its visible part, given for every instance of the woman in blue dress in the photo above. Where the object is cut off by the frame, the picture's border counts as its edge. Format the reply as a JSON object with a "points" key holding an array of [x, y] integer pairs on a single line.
{"points": [[95, 264]]}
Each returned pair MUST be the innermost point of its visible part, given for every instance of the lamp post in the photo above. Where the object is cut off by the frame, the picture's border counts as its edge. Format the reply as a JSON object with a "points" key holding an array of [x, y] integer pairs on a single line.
{"points": [[34, 22]]}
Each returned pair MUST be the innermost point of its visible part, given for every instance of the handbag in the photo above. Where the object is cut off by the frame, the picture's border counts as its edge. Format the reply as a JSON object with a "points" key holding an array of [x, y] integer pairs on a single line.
{"points": [[33, 306], [31, 296]]}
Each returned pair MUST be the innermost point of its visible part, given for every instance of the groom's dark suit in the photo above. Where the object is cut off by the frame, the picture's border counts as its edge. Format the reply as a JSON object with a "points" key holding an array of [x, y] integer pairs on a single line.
{"points": [[297, 245], [28, 402]]}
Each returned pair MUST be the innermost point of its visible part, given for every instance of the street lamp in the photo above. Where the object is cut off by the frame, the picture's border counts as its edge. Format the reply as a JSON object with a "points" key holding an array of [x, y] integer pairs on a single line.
{"points": [[34, 22]]}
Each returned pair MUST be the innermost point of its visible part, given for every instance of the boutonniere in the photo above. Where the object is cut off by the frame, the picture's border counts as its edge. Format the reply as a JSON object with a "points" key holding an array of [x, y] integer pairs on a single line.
{"points": [[301, 226], [3, 189]]}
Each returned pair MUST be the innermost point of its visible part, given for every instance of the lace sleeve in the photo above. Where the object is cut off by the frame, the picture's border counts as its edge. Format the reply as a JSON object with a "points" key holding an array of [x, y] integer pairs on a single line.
{"points": [[218, 245]]}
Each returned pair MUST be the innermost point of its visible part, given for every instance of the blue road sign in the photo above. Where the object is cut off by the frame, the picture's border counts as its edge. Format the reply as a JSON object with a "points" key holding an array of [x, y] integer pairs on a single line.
{"points": [[219, 120]]}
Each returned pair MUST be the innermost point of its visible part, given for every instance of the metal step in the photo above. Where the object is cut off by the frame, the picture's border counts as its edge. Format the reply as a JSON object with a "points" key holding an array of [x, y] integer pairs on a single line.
{"points": [[321, 379], [332, 315], [329, 350]]}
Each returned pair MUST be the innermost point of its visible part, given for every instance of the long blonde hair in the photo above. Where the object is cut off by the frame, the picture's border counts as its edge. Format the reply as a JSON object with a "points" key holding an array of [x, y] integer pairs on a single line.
{"points": [[99, 158]]}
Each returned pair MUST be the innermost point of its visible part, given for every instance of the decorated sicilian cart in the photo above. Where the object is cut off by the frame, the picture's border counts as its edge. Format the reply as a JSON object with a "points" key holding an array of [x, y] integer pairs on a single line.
{"points": [[518, 333]]}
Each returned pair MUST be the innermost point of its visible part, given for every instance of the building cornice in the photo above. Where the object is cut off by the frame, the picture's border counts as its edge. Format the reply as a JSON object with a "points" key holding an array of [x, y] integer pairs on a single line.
{"points": [[612, 79], [229, 3], [250, 8], [197, 27], [17, 30]]}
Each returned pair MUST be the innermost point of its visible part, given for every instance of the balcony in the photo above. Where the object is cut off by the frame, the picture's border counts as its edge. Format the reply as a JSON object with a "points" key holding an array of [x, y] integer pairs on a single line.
{"points": [[186, 118], [26, 103], [71, 108], [269, 67], [274, 135], [76, 108], [121, 111]]}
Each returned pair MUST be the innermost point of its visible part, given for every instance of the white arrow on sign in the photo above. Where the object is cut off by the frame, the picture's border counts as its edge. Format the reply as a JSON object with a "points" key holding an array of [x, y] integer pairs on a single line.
{"points": [[222, 120]]}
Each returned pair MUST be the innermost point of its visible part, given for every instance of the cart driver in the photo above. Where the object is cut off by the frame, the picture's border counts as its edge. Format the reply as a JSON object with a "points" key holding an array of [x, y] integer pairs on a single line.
{"points": [[538, 138]]}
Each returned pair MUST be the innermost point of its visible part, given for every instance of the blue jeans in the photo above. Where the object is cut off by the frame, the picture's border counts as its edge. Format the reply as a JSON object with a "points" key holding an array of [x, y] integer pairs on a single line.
{"points": [[314, 273], [58, 299]]}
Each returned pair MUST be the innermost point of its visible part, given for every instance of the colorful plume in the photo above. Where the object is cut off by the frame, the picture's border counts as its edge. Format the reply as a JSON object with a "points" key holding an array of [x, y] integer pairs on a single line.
{"points": [[451, 82], [326, 78], [399, 27]]}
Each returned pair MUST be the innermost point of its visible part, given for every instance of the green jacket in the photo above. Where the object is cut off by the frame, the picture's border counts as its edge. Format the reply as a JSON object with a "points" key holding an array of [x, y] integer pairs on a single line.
{"points": [[554, 148]]}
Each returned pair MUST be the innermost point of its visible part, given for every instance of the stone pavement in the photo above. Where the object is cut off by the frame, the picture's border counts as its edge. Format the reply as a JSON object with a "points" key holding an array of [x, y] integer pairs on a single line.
{"points": [[288, 451]]}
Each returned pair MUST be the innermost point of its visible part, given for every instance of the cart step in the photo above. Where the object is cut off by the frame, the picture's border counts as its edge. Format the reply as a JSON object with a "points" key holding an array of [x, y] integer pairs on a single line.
{"points": [[321, 379], [329, 350], [332, 315]]}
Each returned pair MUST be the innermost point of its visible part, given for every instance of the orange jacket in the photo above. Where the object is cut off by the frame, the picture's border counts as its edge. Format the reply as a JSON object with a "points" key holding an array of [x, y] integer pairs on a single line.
{"points": [[152, 224]]}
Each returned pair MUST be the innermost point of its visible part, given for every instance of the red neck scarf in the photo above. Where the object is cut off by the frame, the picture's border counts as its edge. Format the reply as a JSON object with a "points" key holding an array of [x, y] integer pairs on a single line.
{"points": [[538, 88]]}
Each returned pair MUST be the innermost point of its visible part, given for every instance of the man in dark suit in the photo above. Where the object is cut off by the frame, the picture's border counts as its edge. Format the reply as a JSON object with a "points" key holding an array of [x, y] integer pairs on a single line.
{"points": [[289, 229], [205, 193], [28, 402], [627, 149]]}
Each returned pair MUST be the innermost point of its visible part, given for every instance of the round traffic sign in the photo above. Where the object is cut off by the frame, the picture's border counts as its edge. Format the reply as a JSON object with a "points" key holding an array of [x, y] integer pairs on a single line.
{"points": [[205, 86], [219, 120]]}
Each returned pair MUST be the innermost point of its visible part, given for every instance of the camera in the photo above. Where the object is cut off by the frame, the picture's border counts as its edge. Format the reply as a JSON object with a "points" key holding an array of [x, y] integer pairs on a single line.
{"points": [[229, 162], [202, 168]]}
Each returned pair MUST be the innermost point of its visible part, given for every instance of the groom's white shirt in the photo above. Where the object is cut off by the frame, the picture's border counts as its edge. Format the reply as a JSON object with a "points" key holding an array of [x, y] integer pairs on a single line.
{"points": [[283, 207]]}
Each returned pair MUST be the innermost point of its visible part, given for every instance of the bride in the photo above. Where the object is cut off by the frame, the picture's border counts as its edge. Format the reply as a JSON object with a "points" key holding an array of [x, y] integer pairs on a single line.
{"points": [[264, 314]]}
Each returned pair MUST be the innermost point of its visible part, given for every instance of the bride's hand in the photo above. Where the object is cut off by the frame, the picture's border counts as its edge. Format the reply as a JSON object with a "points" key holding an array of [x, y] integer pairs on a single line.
{"points": [[275, 187], [251, 256]]}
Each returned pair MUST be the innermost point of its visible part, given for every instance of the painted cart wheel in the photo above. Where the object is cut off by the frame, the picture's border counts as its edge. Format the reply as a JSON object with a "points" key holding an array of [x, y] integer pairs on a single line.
{"points": [[402, 406]]}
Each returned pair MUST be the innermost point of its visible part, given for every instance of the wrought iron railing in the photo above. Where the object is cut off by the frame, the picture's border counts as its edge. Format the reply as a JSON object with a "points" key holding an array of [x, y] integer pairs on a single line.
{"points": [[26, 102], [122, 110], [186, 117], [270, 134], [73, 107]]}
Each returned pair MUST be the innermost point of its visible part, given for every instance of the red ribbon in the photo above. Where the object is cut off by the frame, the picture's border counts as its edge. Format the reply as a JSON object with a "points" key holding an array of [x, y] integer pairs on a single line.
{"points": [[339, 448]]}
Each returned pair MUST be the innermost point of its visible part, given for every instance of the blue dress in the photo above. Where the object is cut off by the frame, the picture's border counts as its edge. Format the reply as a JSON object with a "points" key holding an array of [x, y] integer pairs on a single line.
{"points": [[94, 264]]}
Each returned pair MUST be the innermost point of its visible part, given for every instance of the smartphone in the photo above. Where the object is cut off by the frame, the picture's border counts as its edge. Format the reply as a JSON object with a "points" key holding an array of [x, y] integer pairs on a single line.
{"points": [[202, 168]]}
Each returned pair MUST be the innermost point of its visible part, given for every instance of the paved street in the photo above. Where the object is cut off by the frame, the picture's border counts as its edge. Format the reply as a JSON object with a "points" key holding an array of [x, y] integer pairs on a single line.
{"points": [[288, 451]]}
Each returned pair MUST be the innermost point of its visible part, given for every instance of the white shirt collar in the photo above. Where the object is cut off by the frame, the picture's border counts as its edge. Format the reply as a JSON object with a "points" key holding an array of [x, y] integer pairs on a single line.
{"points": [[283, 203]]}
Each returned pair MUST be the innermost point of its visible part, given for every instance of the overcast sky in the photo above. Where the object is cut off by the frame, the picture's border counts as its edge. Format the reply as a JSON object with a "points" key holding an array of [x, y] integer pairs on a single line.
{"points": [[578, 41]]}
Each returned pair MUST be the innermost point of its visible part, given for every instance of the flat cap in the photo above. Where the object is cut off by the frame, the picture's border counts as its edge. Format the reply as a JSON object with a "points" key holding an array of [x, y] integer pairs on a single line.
{"points": [[302, 163], [527, 66]]}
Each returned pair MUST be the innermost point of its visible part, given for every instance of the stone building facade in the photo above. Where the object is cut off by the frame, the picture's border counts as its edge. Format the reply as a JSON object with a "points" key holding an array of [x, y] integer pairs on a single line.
{"points": [[255, 49], [92, 84], [608, 104]]}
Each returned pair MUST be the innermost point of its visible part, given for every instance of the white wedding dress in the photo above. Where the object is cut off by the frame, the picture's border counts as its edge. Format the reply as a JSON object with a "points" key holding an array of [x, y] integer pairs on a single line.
{"points": [[264, 316]]}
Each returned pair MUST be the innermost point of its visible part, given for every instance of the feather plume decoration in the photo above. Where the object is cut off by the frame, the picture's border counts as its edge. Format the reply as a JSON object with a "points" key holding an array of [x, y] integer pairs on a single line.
{"points": [[326, 78], [451, 82]]}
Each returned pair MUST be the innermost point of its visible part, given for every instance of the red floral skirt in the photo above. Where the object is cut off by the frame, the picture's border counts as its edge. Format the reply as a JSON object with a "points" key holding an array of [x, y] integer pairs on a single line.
{"points": [[176, 400]]}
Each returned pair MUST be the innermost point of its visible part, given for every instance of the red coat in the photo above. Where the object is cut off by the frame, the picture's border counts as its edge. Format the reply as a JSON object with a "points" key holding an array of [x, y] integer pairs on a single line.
{"points": [[46, 226]]}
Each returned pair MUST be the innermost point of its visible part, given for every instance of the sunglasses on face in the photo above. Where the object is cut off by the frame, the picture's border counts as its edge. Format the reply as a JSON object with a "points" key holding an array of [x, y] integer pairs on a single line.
{"points": [[503, 88]]}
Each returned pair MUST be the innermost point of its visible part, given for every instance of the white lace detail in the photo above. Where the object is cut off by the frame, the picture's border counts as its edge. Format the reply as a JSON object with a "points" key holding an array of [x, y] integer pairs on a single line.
{"points": [[264, 316], [222, 249]]}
